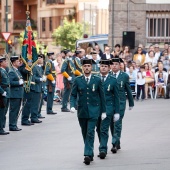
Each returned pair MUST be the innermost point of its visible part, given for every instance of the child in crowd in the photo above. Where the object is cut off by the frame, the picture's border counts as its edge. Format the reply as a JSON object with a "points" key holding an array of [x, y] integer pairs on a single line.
{"points": [[160, 83], [140, 81]]}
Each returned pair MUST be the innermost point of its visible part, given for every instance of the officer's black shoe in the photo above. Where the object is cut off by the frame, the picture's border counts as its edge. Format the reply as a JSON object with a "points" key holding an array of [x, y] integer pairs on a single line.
{"points": [[27, 124], [118, 147], [36, 121], [166, 98], [102, 155], [4, 133], [41, 117], [15, 129], [65, 110], [114, 149], [87, 160], [52, 113]]}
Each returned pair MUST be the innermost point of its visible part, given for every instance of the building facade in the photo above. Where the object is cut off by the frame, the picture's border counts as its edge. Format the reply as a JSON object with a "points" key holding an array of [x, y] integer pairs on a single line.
{"points": [[149, 19], [47, 15]]}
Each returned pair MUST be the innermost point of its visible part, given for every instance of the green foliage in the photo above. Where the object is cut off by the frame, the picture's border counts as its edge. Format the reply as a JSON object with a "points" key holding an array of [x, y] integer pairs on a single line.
{"points": [[67, 34], [41, 48]]}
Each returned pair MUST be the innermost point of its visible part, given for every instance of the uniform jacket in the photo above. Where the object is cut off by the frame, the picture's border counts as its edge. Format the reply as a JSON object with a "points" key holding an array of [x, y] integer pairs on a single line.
{"points": [[26, 74], [91, 99], [111, 91], [50, 69], [16, 90], [123, 82], [38, 73], [4, 82], [77, 63], [68, 67]]}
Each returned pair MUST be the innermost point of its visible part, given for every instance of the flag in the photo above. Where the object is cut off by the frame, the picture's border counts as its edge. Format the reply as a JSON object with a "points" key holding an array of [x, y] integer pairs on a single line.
{"points": [[29, 51]]}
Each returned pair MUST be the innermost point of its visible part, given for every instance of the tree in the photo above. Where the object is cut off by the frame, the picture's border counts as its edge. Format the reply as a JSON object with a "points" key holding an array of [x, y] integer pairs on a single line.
{"points": [[41, 48], [67, 34]]}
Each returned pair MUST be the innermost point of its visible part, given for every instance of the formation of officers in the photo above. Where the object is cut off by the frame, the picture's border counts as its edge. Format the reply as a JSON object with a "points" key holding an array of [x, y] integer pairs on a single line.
{"points": [[99, 96]]}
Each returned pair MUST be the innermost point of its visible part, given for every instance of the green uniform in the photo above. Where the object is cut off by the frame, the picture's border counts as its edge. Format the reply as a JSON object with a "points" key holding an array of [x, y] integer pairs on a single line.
{"points": [[16, 96], [4, 87], [77, 63], [111, 91], [91, 102], [36, 98], [28, 96], [50, 70], [69, 68], [116, 128]]}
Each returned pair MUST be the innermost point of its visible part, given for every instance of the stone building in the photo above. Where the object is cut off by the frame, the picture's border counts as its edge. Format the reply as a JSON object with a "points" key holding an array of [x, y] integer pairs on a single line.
{"points": [[149, 19]]}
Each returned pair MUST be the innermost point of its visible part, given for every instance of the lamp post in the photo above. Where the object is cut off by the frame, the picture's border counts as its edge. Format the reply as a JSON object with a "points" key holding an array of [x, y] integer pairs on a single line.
{"points": [[6, 18]]}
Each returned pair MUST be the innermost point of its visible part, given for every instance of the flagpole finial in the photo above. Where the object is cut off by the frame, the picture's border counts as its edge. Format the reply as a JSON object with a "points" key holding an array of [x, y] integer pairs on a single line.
{"points": [[27, 12]]}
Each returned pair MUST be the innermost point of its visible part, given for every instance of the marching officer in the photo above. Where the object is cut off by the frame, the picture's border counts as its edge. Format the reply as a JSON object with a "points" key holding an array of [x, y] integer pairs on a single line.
{"points": [[29, 88], [68, 71], [111, 91], [4, 94], [36, 99], [91, 102], [77, 60], [123, 82], [16, 93], [51, 77]]}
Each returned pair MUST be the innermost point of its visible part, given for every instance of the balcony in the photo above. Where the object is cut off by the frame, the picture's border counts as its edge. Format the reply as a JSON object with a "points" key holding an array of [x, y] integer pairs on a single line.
{"points": [[20, 25]]}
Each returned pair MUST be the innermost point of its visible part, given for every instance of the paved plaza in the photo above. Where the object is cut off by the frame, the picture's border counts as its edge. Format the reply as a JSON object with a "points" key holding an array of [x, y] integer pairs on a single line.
{"points": [[57, 144]]}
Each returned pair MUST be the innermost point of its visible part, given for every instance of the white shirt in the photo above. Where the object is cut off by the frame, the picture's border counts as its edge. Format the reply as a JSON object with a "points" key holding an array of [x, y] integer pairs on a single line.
{"points": [[88, 78], [108, 56], [105, 76], [117, 74], [140, 80]]}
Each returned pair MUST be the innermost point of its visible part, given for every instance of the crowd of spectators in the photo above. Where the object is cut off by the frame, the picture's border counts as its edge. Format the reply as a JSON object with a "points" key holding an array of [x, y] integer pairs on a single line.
{"points": [[148, 69]]}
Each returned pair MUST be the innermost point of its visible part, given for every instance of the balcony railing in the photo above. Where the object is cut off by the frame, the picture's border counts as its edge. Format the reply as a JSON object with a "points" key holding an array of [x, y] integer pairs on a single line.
{"points": [[55, 1], [21, 24]]}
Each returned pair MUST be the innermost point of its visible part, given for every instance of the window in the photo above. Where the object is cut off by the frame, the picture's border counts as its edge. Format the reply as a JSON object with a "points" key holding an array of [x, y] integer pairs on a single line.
{"points": [[43, 24], [51, 1], [158, 25], [50, 26]]}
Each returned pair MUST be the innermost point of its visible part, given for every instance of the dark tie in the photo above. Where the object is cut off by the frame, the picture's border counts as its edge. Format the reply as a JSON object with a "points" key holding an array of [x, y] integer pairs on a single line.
{"points": [[114, 75], [87, 80], [103, 78]]}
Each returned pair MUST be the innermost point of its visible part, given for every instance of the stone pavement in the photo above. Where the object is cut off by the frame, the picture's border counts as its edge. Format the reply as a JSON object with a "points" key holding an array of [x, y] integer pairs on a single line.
{"points": [[57, 144]]}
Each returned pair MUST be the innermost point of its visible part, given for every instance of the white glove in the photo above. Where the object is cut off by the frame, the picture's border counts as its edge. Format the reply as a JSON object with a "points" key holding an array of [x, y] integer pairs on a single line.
{"points": [[130, 108], [4, 94], [44, 78], [69, 78], [41, 79], [53, 81], [72, 110], [21, 81], [116, 117], [103, 116]]}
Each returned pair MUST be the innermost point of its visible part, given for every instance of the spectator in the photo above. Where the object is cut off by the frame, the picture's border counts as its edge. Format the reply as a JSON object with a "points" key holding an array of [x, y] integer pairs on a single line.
{"points": [[96, 66], [168, 87], [98, 50], [149, 79], [169, 51], [160, 63], [151, 48], [122, 67], [157, 52], [160, 82], [151, 58], [59, 77], [165, 60], [88, 52], [117, 51], [132, 75], [140, 81], [126, 55], [107, 55], [166, 46], [139, 56], [143, 50]]}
